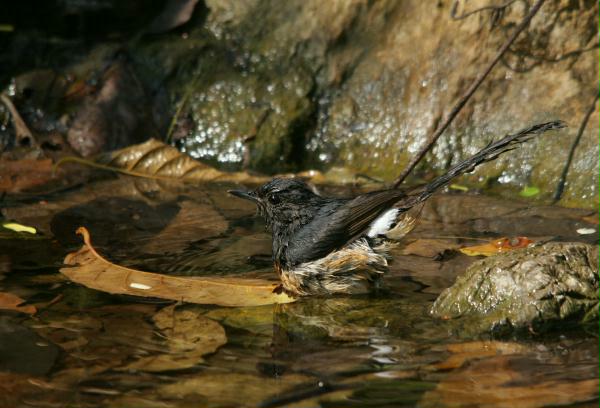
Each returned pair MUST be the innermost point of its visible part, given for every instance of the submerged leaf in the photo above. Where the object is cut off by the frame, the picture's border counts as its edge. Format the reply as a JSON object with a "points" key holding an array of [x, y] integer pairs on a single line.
{"points": [[90, 269], [189, 337], [497, 246], [8, 301], [232, 389]]}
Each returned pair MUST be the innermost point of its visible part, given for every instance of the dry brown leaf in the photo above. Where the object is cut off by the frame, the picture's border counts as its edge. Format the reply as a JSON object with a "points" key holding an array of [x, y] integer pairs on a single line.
{"points": [[189, 337], [497, 246], [8, 301], [90, 269], [160, 161]]}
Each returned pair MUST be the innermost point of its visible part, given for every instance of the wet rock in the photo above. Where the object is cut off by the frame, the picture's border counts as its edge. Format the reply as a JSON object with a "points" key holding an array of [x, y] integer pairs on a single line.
{"points": [[255, 120], [535, 288], [384, 74], [252, 95], [423, 60]]}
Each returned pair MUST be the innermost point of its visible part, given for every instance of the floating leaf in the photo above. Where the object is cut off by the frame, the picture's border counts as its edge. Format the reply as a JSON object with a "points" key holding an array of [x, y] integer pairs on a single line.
{"points": [[189, 337], [8, 301], [428, 247], [529, 191], [497, 246], [231, 389], [13, 226], [90, 269]]}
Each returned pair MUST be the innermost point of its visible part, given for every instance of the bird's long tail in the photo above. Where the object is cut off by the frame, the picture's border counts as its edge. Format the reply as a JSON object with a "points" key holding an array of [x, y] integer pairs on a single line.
{"points": [[489, 153]]}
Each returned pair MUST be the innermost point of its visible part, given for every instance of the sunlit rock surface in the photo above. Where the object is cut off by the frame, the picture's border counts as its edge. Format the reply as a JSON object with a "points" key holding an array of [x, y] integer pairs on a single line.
{"points": [[362, 84], [535, 288]]}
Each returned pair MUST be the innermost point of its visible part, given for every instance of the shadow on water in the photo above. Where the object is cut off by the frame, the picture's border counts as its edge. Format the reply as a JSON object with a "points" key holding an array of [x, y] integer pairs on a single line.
{"points": [[86, 348]]}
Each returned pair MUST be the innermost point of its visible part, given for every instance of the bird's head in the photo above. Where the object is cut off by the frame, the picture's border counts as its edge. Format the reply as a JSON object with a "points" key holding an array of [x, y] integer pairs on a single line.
{"points": [[281, 200]]}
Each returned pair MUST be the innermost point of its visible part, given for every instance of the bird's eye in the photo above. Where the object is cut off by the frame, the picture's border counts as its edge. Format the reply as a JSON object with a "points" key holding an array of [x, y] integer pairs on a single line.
{"points": [[274, 199]]}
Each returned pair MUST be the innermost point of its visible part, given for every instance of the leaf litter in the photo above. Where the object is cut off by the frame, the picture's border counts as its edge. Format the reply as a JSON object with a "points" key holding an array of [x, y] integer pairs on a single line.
{"points": [[497, 246], [90, 269]]}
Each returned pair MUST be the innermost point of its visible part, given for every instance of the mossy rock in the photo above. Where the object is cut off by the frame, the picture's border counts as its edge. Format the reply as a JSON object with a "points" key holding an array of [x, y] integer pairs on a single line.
{"points": [[536, 289]]}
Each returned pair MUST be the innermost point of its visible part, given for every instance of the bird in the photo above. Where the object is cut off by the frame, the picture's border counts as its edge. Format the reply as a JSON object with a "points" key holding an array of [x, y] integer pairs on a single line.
{"points": [[328, 245]]}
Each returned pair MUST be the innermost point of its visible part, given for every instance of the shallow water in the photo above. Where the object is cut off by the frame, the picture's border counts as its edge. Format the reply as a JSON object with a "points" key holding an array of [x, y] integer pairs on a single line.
{"points": [[83, 347]]}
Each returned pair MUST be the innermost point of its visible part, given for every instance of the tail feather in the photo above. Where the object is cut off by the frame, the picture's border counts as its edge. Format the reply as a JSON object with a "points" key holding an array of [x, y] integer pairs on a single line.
{"points": [[489, 153]]}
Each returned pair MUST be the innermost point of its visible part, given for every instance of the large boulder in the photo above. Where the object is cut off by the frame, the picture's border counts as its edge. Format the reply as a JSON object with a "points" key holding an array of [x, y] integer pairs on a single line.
{"points": [[361, 84], [535, 289]]}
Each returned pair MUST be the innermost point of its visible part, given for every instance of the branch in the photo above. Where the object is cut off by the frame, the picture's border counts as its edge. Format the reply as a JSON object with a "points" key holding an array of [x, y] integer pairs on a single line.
{"points": [[467, 95], [563, 177], [500, 8], [23, 135]]}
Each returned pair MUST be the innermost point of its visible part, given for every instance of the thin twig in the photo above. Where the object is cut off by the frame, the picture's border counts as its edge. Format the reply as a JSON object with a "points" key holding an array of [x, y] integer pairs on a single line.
{"points": [[91, 163], [177, 113], [467, 95], [22, 133], [454, 9], [563, 177]]}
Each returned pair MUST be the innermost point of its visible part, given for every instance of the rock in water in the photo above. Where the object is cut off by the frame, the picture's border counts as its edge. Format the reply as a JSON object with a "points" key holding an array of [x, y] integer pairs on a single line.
{"points": [[535, 288]]}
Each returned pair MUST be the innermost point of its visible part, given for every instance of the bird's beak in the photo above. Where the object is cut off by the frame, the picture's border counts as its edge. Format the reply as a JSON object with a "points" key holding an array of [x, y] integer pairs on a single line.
{"points": [[246, 195]]}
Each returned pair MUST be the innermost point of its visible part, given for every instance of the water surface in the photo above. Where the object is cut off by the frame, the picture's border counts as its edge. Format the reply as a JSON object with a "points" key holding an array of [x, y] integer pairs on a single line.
{"points": [[83, 347]]}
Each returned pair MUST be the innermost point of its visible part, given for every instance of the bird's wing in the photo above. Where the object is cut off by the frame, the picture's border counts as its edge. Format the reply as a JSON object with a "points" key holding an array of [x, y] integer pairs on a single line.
{"points": [[346, 223], [364, 209]]}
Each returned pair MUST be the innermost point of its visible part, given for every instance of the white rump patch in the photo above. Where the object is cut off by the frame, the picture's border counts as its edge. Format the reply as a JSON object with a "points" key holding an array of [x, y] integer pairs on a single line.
{"points": [[382, 224]]}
